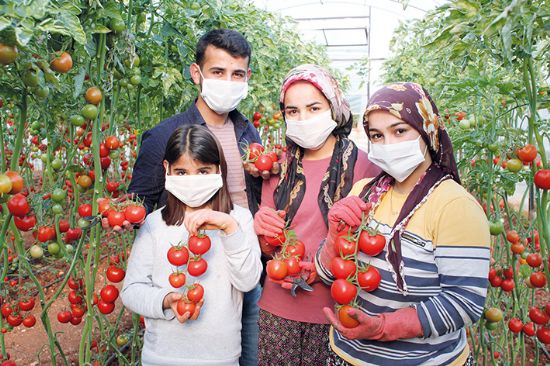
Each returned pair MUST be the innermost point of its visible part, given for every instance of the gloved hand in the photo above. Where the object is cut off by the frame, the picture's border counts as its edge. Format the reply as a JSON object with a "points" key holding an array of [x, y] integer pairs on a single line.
{"points": [[269, 222], [306, 269], [400, 324]]}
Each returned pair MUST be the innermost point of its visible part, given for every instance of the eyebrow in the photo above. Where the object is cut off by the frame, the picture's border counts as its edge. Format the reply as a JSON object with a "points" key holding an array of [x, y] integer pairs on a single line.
{"points": [[218, 68], [307, 105], [391, 126]]}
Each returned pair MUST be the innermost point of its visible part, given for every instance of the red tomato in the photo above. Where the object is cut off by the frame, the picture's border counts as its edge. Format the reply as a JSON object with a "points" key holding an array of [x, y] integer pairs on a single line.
{"points": [[105, 307], [75, 284], [538, 316], [275, 241], [527, 154], [109, 293], [74, 298], [542, 179], [73, 234], [18, 205], [196, 266], [112, 143], [342, 291], [177, 279], [14, 320], [45, 233], [115, 274], [85, 209], [369, 279], [508, 273], [77, 311], [17, 182], [25, 223], [64, 225], [264, 162], [105, 163], [104, 206], [112, 186], [103, 151], [342, 268], [27, 305], [29, 321], [75, 320], [195, 293], [344, 318], [293, 266], [529, 329], [507, 285], [6, 310], [543, 334], [296, 249], [185, 307], [273, 156], [134, 214], [492, 273], [512, 236], [344, 245], [199, 244], [115, 218], [178, 256], [257, 116], [534, 260], [276, 269], [255, 150], [64, 316], [515, 325], [371, 244], [538, 279]]}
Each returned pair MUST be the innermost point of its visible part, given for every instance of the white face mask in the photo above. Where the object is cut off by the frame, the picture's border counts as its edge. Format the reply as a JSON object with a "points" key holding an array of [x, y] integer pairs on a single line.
{"points": [[313, 132], [398, 160], [194, 190], [223, 96]]}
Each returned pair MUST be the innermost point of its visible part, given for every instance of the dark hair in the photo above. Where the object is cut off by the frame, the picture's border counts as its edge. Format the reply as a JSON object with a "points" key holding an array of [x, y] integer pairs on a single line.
{"points": [[229, 40], [201, 145]]}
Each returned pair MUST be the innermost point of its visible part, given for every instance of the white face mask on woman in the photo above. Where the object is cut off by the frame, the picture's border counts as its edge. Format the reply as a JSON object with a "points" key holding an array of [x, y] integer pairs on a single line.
{"points": [[313, 132], [223, 96], [398, 160], [194, 190]]}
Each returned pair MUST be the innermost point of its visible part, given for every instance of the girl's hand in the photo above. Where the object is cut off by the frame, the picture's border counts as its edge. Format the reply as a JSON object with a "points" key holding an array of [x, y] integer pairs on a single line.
{"points": [[171, 302], [251, 169], [208, 219]]}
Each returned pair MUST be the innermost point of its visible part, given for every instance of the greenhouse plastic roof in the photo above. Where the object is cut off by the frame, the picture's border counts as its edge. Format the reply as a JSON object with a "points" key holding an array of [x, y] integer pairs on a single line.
{"points": [[352, 30]]}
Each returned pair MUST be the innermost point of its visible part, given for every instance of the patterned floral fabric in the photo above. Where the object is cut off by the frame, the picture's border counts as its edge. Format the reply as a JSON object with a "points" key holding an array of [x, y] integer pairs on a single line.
{"points": [[412, 104], [338, 179], [288, 342]]}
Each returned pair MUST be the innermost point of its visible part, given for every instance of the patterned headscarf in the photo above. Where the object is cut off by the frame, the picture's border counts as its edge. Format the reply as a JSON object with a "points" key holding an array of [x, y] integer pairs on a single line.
{"points": [[412, 104], [338, 179]]}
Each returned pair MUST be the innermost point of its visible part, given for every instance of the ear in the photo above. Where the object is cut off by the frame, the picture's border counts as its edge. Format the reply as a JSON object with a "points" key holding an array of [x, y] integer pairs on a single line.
{"points": [[194, 70], [165, 163], [248, 74]]}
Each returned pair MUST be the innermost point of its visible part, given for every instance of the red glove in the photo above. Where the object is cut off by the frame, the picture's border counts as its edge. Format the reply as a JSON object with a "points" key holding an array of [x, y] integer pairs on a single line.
{"points": [[400, 324], [269, 222], [307, 272]]}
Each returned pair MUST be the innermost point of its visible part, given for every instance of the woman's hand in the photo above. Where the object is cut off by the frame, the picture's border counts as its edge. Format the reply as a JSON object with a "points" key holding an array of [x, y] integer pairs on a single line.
{"points": [[208, 219], [370, 327], [251, 169], [268, 222], [171, 302]]}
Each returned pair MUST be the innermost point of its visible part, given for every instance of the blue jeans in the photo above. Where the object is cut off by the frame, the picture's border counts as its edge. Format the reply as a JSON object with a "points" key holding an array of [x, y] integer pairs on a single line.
{"points": [[250, 329]]}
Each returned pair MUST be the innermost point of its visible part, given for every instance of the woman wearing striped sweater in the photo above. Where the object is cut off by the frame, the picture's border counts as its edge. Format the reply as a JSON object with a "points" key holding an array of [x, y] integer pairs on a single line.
{"points": [[435, 263]]}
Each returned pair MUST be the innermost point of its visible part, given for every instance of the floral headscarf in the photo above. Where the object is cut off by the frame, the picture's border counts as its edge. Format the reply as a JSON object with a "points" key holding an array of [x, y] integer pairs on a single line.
{"points": [[338, 179], [412, 104]]}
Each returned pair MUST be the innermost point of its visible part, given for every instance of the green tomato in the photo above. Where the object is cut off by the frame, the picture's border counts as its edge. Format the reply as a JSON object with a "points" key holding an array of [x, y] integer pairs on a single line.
{"points": [[89, 111], [135, 80], [83, 223], [57, 164], [496, 227], [44, 158], [36, 251], [53, 248], [493, 315], [42, 92], [35, 125], [493, 148], [58, 195], [57, 209], [129, 64], [514, 165], [464, 124], [77, 120], [491, 325], [69, 248], [124, 83], [121, 340], [114, 154], [31, 79], [117, 25]]}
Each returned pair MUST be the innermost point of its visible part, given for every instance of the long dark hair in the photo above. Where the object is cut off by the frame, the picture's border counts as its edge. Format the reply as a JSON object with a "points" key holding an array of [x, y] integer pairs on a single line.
{"points": [[201, 145]]}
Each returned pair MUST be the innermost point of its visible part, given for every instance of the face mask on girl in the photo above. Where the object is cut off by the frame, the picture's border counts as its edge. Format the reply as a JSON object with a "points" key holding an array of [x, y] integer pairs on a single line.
{"points": [[313, 132], [194, 190], [223, 96], [398, 160]]}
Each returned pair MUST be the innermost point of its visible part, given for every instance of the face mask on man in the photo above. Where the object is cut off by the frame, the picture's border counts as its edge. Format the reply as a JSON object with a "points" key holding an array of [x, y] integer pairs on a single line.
{"points": [[194, 190], [313, 132], [398, 160], [223, 96]]}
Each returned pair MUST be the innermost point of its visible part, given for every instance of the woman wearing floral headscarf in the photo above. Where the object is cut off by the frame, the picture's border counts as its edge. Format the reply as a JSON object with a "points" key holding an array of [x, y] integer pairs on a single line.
{"points": [[317, 171], [435, 263]]}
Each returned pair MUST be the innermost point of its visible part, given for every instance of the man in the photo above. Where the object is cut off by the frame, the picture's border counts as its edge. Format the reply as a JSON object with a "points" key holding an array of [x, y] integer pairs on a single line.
{"points": [[221, 69]]}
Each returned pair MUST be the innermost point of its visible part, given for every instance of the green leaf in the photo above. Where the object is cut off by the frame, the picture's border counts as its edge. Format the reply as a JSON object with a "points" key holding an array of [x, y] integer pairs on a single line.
{"points": [[507, 39], [4, 23], [99, 28], [38, 8], [66, 24], [23, 35], [79, 82]]}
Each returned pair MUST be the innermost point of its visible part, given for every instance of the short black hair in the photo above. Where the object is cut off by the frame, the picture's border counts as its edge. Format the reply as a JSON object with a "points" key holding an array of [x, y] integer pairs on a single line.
{"points": [[229, 40]]}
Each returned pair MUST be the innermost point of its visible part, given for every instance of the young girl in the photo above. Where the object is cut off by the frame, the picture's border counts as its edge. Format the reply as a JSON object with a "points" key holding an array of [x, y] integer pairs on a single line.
{"points": [[320, 167], [435, 263], [197, 199]]}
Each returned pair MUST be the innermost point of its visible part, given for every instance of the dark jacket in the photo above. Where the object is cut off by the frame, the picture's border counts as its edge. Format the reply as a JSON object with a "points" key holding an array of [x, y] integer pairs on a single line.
{"points": [[148, 175]]}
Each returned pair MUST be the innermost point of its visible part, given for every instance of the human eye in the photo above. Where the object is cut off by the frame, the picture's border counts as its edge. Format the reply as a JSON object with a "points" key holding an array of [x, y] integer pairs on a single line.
{"points": [[400, 131], [291, 112], [374, 136]]}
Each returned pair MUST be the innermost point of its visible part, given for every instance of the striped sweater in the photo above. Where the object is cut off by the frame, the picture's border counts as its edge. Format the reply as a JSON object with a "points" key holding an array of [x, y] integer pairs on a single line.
{"points": [[445, 250]]}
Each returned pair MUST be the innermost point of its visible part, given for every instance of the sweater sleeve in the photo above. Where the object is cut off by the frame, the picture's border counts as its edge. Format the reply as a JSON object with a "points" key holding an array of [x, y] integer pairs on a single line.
{"points": [[242, 252], [462, 255], [139, 294]]}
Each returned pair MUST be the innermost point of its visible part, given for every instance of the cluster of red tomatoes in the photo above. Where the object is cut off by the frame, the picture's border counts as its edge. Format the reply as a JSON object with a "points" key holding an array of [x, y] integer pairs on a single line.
{"points": [[349, 277], [263, 160], [118, 213], [16, 313], [179, 256], [286, 261]]}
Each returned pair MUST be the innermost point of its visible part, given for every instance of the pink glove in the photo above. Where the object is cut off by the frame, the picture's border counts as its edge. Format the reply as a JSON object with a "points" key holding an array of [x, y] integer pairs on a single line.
{"points": [[307, 269], [269, 222], [400, 324]]}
